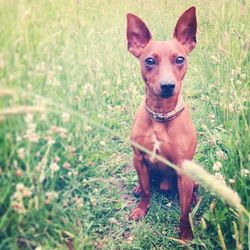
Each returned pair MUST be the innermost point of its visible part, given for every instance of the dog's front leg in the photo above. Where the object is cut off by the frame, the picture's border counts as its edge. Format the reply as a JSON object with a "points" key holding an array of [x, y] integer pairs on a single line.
{"points": [[185, 188], [143, 174]]}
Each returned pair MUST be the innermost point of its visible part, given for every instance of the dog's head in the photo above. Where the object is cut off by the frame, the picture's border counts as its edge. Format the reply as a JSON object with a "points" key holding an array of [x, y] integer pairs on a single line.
{"points": [[163, 63]]}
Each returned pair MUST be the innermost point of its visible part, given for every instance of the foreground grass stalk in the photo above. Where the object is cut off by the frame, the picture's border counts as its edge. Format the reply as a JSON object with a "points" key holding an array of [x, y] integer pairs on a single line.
{"points": [[249, 234], [221, 238], [236, 236], [200, 175], [191, 222], [6, 92], [41, 165], [22, 110], [28, 167], [241, 227]]}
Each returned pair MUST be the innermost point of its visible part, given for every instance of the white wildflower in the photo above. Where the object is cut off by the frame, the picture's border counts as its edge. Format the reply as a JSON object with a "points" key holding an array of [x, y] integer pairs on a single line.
{"points": [[231, 181], [20, 187], [17, 198], [169, 204], [238, 82], [54, 168], [59, 68], [231, 107], [21, 153], [88, 89], [43, 117], [65, 117], [41, 67], [87, 128], [71, 149], [18, 138], [79, 202], [56, 159], [217, 166], [243, 76], [62, 132], [50, 196], [244, 172], [17, 203], [30, 134], [221, 155], [50, 141], [51, 79]]}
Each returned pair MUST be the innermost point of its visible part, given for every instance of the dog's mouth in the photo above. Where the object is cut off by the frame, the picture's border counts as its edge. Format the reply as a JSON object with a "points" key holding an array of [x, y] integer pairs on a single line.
{"points": [[162, 94], [167, 95]]}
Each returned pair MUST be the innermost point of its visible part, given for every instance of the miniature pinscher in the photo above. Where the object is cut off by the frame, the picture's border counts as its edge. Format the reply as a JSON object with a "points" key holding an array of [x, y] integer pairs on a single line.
{"points": [[163, 123]]}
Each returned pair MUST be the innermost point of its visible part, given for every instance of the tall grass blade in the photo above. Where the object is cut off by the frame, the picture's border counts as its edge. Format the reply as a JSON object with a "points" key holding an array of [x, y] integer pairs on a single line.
{"points": [[236, 236], [221, 238]]}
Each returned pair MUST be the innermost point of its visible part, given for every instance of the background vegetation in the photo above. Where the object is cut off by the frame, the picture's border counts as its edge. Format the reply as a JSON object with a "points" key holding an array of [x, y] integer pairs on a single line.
{"points": [[69, 92]]}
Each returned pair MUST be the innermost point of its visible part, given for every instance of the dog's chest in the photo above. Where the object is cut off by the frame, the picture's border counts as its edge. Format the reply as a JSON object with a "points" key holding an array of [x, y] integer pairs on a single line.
{"points": [[158, 145]]}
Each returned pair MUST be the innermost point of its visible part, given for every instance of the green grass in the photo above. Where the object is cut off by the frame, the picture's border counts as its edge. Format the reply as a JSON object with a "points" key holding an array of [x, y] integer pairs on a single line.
{"points": [[72, 58]]}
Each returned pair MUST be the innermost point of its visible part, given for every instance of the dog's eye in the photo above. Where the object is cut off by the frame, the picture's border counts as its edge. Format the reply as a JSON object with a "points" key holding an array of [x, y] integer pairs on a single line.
{"points": [[180, 60], [150, 61]]}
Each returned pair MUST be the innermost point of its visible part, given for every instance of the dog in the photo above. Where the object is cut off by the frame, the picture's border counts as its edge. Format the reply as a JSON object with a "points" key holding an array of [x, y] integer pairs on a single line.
{"points": [[163, 122]]}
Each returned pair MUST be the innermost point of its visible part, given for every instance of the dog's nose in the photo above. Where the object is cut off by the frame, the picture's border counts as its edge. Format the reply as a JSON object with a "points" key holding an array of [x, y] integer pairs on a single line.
{"points": [[167, 88]]}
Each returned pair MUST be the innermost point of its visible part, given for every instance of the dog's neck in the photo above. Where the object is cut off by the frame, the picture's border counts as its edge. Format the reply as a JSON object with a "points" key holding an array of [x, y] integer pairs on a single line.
{"points": [[162, 105]]}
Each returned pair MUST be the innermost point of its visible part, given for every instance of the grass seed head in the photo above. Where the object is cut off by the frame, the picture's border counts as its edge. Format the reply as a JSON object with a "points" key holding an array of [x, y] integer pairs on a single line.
{"points": [[216, 186]]}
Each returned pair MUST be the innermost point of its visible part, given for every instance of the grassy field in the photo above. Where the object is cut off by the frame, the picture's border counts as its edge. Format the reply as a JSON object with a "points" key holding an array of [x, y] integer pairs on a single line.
{"points": [[68, 94]]}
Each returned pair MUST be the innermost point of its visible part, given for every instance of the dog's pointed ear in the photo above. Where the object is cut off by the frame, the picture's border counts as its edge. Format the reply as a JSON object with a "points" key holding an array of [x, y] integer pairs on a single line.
{"points": [[138, 34], [185, 29]]}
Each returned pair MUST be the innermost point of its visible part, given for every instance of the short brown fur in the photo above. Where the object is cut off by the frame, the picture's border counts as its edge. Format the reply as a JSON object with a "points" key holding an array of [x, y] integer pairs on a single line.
{"points": [[175, 139]]}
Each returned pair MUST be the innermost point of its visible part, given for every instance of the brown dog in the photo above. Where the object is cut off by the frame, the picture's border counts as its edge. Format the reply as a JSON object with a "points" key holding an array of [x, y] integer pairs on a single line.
{"points": [[163, 123]]}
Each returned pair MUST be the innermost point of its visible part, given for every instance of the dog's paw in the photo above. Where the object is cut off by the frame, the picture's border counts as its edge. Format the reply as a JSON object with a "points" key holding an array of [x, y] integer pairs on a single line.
{"points": [[186, 236], [137, 214], [186, 233]]}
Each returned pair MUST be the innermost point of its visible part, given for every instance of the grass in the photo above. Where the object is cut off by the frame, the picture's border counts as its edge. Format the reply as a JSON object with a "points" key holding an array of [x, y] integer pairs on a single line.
{"points": [[66, 175]]}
